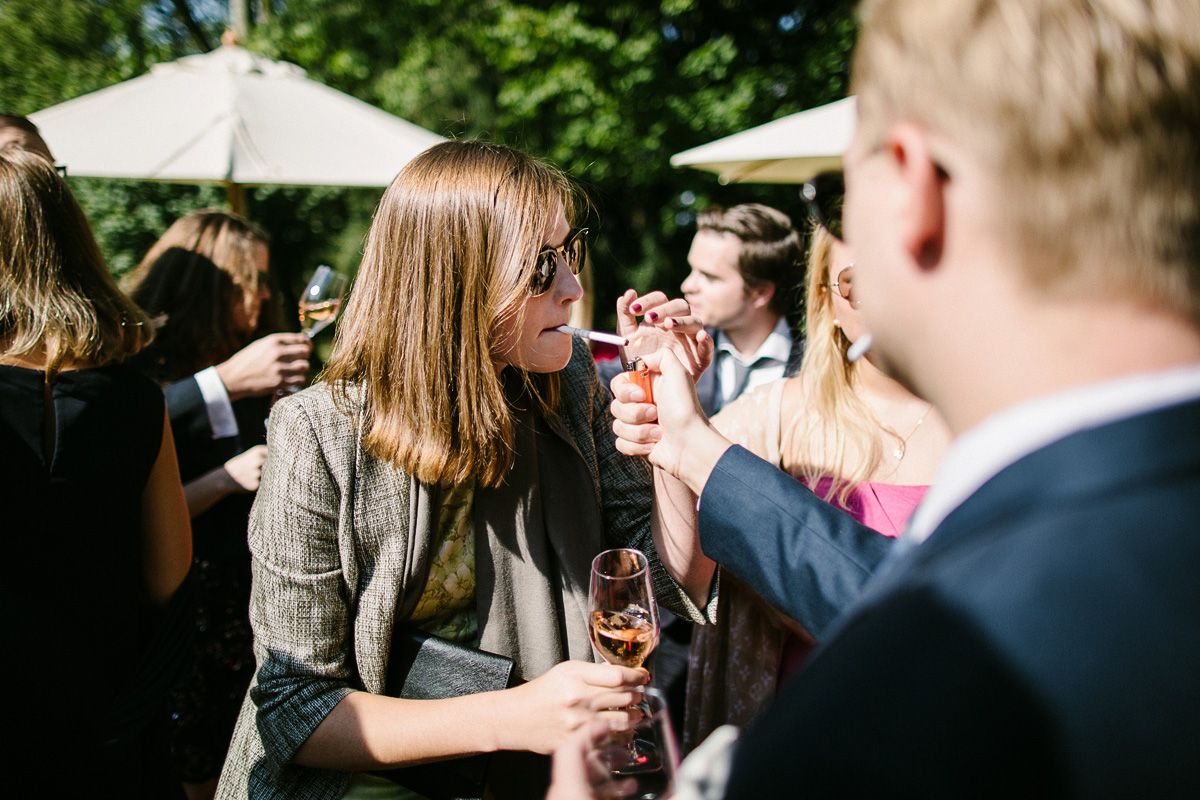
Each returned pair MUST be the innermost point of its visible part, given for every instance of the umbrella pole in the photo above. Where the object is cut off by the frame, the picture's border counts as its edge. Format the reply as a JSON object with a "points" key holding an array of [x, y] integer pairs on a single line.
{"points": [[236, 194]]}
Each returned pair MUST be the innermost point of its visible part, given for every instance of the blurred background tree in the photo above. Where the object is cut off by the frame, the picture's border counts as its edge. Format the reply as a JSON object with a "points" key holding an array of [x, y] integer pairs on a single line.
{"points": [[607, 90]]}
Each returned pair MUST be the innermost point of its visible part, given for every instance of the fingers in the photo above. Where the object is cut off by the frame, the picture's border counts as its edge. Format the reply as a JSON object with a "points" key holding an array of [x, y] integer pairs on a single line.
{"points": [[612, 676], [607, 701], [633, 411], [646, 434], [626, 318], [684, 323]]}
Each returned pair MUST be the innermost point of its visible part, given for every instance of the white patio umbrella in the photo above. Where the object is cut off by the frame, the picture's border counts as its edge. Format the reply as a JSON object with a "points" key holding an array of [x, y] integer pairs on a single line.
{"points": [[233, 118], [789, 150]]}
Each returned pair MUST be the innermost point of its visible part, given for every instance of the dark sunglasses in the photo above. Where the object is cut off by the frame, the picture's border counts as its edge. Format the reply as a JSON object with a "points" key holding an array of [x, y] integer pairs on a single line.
{"points": [[824, 195], [573, 252], [843, 284], [61, 169]]}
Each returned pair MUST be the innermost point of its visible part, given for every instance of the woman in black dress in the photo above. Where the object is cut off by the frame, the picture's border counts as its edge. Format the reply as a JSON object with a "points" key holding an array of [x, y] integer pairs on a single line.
{"points": [[96, 530]]}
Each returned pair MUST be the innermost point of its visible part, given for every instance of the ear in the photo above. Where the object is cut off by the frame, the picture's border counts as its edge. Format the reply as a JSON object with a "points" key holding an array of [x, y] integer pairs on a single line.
{"points": [[761, 296], [919, 199]]}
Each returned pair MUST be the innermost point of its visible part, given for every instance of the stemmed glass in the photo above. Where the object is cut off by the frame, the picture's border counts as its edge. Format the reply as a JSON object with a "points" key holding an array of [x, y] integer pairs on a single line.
{"points": [[321, 301], [319, 307], [624, 628]]}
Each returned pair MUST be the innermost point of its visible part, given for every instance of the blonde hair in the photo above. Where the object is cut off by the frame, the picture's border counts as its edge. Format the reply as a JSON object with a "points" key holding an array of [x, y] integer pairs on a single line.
{"points": [[193, 278], [55, 289], [448, 262], [838, 435], [1088, 113]]}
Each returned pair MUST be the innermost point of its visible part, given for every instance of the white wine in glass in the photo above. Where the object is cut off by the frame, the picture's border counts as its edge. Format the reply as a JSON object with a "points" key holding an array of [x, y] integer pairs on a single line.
{"points": [[321, 300]]}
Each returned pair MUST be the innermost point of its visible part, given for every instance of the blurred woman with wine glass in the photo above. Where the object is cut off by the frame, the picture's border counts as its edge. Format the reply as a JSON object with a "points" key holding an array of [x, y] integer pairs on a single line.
{"points": [[96, 527], [452, 472], [204, 282]]}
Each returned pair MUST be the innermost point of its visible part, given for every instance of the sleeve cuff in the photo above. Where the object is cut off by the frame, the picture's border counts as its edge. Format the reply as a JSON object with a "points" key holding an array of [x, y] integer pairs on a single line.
{"points": [[216, 403]]}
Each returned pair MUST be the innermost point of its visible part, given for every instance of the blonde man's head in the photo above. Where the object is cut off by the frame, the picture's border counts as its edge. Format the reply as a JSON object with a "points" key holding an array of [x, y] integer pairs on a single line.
{"points": [[1086, 112]]}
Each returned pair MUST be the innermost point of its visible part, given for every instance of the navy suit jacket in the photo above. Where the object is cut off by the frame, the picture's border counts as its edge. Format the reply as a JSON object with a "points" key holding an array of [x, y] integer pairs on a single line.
{"points": [[1043, 642]]}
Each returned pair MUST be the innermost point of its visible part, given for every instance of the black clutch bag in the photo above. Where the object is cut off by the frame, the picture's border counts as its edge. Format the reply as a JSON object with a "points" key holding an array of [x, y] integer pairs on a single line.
{"points": [[426, 667]]}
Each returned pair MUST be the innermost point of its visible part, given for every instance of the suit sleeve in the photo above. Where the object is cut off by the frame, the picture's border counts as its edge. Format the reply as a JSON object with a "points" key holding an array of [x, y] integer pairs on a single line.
{"points": [[298, 606], [805, 557], [909, 699], [189, 417]]}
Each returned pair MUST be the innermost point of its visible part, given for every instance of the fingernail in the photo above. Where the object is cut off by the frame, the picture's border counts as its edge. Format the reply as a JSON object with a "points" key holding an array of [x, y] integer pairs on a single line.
{"points": [[636, 308], [653, 315]]}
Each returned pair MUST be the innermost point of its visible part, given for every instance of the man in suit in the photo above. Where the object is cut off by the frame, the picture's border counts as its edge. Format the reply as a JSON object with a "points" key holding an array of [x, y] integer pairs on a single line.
{"points": [[1022, 207], [746, 262]]}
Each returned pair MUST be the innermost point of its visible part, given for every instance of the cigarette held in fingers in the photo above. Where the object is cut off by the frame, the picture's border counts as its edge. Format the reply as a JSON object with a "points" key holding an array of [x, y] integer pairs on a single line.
{"points": [[595, 336], [859, 348]]}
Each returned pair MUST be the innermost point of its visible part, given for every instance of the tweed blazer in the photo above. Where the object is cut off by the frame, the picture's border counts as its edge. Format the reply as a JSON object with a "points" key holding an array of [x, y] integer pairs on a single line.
{"points": [[341, 545]]}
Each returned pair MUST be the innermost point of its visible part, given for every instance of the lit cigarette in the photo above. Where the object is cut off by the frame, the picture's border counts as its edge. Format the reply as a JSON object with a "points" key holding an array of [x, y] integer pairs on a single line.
{"points": [[595, 336], [859, 348]]}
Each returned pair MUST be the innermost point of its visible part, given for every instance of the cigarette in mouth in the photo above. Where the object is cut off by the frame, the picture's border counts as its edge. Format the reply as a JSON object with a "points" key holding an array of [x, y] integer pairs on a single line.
{"points": [[595, 336], [859, 348]]}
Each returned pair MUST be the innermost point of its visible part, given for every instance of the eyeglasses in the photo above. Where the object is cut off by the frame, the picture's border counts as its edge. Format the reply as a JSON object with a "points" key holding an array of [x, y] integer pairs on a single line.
{"points": [[843, 284], [824, 195], [61, 169], [573, 252]]}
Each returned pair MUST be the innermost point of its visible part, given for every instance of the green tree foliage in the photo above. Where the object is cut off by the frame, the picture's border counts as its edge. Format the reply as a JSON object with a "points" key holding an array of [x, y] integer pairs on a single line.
{"points": [[608, 90]]}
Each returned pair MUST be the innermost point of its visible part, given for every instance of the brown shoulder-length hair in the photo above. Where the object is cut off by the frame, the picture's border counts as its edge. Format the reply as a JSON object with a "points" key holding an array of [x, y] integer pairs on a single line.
{"points": [[192, 281], [55, 289], [447, 263]]}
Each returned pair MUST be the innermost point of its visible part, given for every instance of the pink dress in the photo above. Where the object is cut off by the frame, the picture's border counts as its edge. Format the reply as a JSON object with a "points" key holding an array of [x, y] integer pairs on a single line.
{"points": [[736, 664]]}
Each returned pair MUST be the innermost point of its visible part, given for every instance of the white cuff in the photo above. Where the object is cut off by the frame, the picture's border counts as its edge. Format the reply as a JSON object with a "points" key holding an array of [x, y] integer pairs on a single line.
{"points": [[216, 403]]}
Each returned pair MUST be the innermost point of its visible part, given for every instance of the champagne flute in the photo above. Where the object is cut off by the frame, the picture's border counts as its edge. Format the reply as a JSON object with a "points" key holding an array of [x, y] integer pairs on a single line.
{"points": [[321, 300], [624, 627]]}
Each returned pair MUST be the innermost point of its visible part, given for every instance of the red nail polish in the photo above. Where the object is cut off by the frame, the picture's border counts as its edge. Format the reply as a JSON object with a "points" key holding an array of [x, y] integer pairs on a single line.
{"points": [[653, 315], [636, 308]]}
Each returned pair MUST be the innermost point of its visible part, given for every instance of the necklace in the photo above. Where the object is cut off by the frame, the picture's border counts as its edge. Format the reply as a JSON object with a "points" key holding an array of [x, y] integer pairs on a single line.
{"points": [[902, 449]]}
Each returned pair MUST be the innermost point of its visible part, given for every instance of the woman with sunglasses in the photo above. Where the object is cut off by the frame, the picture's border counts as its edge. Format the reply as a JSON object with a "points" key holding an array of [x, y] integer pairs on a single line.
{"points": [[854, 436], [452, 471]]}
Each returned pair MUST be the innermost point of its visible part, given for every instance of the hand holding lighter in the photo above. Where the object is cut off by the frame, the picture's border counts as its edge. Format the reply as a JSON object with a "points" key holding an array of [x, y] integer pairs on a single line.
{"points": [[638, 372]]}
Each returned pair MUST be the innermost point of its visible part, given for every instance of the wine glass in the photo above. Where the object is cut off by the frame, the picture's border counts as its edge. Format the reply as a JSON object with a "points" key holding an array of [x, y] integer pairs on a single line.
{"points": [[319, 306], [624, 628], [321, 300], [653, 725]]}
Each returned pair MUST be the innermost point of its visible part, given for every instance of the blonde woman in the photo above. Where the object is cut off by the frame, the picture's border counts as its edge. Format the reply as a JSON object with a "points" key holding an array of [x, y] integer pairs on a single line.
{"points": [[854, 436], [453, 471], [96, 529]]}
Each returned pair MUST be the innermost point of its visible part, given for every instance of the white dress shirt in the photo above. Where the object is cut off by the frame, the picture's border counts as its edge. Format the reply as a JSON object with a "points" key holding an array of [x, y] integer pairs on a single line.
{"points": [[1002, 439], [766, 364], [217, 404]]}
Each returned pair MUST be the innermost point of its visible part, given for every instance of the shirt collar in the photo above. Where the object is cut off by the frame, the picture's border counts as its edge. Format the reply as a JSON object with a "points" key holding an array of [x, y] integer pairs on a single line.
{"points": [[1005, 437], [776, 347]]}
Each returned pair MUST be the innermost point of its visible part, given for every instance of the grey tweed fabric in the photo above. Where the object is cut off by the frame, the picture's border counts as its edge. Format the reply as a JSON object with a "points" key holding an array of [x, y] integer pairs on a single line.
{"points": [[341, 546]]}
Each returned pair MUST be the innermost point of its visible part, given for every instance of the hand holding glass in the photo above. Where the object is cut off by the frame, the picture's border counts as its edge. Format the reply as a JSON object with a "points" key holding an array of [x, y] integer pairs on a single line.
{"points": [[624, 626]]}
